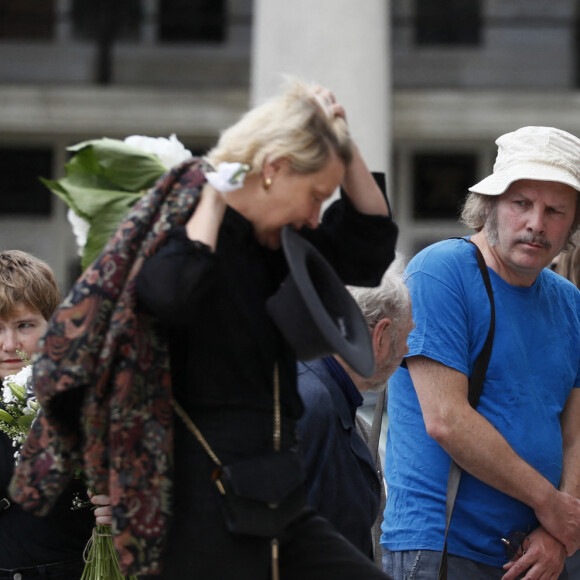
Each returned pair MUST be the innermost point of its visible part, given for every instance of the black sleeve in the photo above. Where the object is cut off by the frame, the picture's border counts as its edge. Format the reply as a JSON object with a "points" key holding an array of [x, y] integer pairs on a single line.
{"points": [[170, 281], [6, 463], [359, 246]]}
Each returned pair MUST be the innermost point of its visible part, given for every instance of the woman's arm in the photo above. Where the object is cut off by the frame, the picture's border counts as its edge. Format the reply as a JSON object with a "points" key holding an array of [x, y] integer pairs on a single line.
{"points": [[358, 183], [171, 280], [203, 226], [361, 188]]}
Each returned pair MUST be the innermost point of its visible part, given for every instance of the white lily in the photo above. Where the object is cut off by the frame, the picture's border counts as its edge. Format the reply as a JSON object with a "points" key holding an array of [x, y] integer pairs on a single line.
{"points": [[170, 152]]}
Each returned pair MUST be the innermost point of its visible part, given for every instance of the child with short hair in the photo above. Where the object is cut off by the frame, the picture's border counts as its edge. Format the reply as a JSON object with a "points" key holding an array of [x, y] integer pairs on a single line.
{"points": [[50, 547]]}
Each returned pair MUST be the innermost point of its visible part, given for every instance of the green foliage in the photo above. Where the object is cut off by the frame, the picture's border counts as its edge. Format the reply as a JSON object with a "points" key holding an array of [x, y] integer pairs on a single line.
{"points": [[104, 179]]}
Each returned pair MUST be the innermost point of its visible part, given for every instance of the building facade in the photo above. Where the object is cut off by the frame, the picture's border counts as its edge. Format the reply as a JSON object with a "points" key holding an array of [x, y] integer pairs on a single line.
{"points": [[463, 72]]}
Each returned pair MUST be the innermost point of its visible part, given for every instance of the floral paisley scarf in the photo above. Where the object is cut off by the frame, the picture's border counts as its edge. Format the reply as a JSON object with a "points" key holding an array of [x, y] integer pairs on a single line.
{"points": [[103, 382]]}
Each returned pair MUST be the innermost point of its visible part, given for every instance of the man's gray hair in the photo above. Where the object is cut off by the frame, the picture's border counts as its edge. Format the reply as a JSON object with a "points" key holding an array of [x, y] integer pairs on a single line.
{"points": [[390, 299], [476, 210]]}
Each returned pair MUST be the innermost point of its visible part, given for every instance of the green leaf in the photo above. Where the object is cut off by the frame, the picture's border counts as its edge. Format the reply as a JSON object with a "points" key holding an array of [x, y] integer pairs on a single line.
{"points": [[104, 178], [25, 421], [18, 391], [125, 167], [84, 169], [6, 417], [60, 191], [88, 202], [104, 222]]}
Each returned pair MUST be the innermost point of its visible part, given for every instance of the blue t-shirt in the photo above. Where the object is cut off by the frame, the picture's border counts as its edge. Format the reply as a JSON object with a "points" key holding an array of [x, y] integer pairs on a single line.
{"points": [[535, 362]]}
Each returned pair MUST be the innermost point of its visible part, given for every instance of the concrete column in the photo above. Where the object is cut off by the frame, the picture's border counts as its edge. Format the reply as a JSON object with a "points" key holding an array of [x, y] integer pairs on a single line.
{"points": [[342, 44]]}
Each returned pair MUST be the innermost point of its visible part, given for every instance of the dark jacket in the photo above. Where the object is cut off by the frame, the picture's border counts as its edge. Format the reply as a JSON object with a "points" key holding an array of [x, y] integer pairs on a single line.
{"points": [[28, 540], [342, 480]]}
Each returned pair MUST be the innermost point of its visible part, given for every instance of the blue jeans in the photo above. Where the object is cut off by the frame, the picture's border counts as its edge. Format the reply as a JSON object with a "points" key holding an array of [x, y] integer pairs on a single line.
{"points": [[424, 565]]}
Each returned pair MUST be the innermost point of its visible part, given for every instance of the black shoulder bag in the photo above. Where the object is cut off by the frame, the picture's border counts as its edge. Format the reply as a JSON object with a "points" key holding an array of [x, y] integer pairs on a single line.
{"points": [[474, 392], [262, 495]]}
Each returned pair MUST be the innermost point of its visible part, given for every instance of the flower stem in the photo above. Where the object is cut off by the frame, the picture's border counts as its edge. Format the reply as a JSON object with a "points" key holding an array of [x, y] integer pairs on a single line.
{"points": [[101, 558]]}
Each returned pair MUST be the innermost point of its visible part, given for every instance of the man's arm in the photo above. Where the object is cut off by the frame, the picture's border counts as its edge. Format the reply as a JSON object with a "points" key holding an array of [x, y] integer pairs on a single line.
{"points": [[571, 442], [482, 451], [540, 540]]}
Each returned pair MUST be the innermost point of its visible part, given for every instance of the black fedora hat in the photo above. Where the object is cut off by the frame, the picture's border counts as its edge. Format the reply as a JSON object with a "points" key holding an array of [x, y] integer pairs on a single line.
{"points": [[315, 312]]}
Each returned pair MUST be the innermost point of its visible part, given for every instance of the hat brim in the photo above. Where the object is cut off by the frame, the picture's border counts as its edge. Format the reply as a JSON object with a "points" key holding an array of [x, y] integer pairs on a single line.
{"points": [[498, 182], [315, 312]]}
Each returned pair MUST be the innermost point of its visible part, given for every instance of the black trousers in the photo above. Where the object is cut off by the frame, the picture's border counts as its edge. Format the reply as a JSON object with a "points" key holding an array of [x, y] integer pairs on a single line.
{"points": [[199, 544], [310, 549]]}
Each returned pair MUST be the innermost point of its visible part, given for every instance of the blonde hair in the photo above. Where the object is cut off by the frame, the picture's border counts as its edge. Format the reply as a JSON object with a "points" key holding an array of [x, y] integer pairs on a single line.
{"points": [[27, 280], [293, 125]]}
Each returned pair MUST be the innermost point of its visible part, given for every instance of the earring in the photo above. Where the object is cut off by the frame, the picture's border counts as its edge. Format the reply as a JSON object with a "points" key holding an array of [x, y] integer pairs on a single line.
{"points": [[267, 183]]}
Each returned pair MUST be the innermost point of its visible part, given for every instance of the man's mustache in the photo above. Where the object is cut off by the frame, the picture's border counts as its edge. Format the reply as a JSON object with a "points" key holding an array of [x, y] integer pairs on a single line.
{"points": [[532, 239]]}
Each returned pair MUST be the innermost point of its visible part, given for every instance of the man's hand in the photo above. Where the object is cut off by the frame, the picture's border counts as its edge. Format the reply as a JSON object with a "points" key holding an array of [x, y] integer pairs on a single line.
{"points": [[560, 515], [542, 558]]}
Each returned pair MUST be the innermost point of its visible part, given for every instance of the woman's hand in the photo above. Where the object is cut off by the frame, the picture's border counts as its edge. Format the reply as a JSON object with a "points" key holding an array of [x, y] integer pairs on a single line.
{"points": [[204, 224], [359, 184], [104, 511], [328, 103]]}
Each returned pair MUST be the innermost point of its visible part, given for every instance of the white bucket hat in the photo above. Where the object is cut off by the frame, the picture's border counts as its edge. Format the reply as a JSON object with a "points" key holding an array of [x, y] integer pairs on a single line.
{"points": [[541, 153]]}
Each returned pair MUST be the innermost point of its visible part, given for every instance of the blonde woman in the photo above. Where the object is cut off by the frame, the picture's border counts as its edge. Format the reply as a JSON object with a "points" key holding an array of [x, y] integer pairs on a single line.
{"points": [[201, 287]]}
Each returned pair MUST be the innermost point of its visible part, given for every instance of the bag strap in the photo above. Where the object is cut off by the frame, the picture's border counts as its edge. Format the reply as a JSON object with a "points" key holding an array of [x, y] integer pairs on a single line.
{"points": [[276, 440], [277, 422], [196, 432], [473, 394], [375, 433]]}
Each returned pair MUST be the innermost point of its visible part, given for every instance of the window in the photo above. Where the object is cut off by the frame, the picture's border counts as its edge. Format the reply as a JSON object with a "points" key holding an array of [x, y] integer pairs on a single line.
{"points": [[22, 191], [94, 19], [26, 19], [576, 46], [448, 22], [192, 20], [440, 183]]}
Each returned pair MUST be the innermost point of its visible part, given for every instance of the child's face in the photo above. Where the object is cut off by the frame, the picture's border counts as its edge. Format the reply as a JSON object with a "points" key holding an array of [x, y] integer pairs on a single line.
{"points": [[19, 331]]}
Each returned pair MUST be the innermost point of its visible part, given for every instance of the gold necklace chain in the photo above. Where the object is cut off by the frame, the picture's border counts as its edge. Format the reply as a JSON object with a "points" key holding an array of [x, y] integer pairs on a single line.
{"points": [[276, 436]]}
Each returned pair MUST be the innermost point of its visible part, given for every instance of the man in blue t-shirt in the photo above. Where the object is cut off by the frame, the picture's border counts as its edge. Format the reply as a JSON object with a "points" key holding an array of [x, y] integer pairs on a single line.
{"points": [[520, 449]]}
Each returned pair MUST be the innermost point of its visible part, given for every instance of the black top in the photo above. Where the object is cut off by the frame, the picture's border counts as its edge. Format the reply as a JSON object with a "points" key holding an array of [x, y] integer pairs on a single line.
{"points": [[27, 540], [223, 345]]}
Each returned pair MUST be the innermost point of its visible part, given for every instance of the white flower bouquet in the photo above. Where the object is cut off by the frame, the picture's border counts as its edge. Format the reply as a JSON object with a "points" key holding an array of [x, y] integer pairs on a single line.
{"points": [[18, 410], [19, 405], [106, 177]]}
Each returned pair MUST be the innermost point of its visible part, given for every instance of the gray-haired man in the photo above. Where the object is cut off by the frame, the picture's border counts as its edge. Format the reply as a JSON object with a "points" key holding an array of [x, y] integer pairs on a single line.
{"points": [[342, 479]]}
